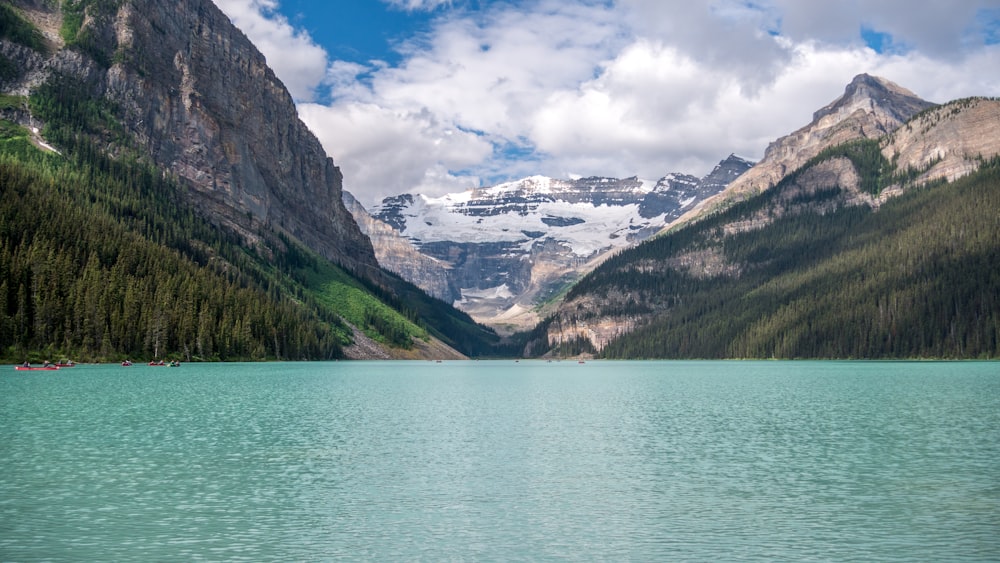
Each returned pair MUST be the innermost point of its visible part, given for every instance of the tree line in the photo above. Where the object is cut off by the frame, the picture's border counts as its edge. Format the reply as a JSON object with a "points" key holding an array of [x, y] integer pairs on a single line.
{"points": [[916, 279], [89, 274], [102, 258]]}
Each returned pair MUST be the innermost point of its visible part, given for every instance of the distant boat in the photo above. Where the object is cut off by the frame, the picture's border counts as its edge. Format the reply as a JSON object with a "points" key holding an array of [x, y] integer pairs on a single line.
{"points": [[126, 363], [66, 364], [33, 368]]}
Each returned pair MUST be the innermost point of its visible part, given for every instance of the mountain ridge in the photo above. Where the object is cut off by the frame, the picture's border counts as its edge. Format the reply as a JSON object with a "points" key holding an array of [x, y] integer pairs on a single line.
{"points": [[736, 273], [199, 98], [507, 249], [870, 107]]}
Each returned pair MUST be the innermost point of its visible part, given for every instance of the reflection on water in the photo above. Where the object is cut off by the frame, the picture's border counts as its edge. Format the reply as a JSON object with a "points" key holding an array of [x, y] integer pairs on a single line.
{"points": [[504, 461]]}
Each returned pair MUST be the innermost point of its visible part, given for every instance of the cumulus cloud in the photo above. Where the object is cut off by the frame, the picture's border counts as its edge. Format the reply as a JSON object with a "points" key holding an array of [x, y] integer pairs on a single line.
{"points": [[395, 151], [637, 87], [297, 59]]}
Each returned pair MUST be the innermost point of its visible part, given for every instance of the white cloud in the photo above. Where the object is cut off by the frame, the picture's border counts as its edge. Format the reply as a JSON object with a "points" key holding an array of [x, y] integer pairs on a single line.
{"points": [[935, 29], [641, 87], [418, 5], [296, 58], [490, 74], [387, 152]]}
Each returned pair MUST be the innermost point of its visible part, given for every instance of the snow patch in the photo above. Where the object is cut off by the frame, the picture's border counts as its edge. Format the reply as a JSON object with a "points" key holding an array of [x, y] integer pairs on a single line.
{"points": [[498, 292], [593, 231]]}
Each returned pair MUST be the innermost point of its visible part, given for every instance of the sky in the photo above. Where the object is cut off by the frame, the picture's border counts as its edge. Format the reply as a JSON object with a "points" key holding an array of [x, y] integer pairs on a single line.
{"points": [[438, 96]]}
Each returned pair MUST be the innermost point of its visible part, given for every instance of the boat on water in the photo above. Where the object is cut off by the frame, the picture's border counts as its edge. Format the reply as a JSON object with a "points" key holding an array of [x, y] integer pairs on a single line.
{"points": [[161, 363], [36, 368], [126, 363], [66, 364]]}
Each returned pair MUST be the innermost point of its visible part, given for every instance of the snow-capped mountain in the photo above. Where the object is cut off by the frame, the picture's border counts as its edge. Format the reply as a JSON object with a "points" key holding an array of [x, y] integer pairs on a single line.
{"points": [[508, 248]]}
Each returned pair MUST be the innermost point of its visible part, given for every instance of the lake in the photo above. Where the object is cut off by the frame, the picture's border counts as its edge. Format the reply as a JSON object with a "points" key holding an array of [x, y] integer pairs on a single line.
{"points": [[502, 460]]}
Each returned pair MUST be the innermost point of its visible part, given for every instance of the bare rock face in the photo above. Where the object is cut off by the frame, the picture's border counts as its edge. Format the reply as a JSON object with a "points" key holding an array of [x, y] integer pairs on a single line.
{"points": [[195, 94], [397, 254], [869, 108], [948, 141]]}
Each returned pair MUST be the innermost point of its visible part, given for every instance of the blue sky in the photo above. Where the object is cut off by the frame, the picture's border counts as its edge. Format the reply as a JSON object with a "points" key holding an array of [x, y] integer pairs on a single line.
{"points": [[435, 96], [356, 30]]}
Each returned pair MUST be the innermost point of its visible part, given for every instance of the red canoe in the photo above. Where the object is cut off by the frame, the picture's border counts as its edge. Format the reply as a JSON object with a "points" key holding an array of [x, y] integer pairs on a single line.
{"points": [[24, 368]]}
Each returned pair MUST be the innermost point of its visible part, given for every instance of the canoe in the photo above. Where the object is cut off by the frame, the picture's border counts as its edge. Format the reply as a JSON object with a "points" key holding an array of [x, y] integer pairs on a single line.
{"points": [[32, 368]]}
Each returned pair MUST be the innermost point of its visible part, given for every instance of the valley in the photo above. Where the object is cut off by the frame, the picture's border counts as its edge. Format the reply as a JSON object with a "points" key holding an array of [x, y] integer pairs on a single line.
{"points": [[868, 232]]}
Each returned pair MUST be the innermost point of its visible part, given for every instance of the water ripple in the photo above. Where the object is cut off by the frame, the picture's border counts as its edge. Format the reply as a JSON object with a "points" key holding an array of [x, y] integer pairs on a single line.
{"points": [[744, 461]]}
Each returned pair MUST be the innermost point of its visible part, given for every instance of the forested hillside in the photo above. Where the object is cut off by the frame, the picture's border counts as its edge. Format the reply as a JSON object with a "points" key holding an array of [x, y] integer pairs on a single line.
{"points": [[106, 255], [815, 278], [100, 259]]}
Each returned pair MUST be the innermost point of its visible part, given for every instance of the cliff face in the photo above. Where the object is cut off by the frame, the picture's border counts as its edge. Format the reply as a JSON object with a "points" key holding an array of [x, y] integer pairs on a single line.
{"points": [[947, 141], [396, 254], [199, 98]]}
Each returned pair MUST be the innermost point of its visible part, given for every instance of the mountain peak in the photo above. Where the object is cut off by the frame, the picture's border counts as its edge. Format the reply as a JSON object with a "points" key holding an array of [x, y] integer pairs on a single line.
{"points": [[870, 107], [868, 92]]}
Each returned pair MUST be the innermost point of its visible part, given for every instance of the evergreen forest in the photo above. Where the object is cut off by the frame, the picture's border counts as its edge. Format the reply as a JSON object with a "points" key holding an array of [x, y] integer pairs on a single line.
{"points": [[918, 278], [101, 259]]}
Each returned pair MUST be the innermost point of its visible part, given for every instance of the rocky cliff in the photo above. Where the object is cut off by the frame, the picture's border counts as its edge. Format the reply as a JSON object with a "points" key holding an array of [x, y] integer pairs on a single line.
{"points": [[948, 141], [397, 254], [194, 94]]}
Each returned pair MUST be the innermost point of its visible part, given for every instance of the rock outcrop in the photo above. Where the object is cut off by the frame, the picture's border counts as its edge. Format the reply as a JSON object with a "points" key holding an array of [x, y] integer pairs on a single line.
{"points": [[397, 254], [869, 108], [193, 93]]}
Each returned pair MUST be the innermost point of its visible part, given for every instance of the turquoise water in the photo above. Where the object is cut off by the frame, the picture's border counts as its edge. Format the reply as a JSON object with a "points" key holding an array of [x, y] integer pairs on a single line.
{"points": [[474, 461]]}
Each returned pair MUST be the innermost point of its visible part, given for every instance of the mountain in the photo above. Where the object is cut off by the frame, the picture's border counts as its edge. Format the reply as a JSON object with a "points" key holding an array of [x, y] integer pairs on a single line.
{"points": [[876, 247], [507, 249], [869, 108], [192, 92], [132, 84], [398, 255]]}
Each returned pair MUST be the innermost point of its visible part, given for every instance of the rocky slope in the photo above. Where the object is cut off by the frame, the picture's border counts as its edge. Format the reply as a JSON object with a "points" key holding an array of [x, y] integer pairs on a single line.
{"points": [[506, 249], [870, 107], [177, 84], [397, 254], [948, 141], [943, 142], [196, 95]]}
